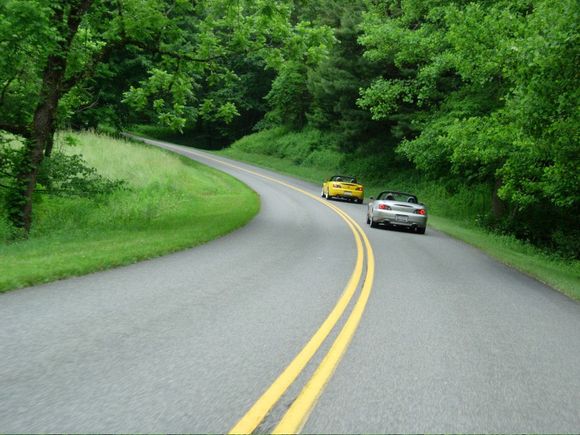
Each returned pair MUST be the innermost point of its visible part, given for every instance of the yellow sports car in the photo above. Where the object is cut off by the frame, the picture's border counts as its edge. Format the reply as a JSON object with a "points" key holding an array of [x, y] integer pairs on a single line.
{"points": [[341, 186]]}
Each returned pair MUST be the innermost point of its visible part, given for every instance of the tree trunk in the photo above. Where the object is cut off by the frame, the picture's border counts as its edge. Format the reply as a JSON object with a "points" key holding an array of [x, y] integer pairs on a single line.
{"points": [[40, 142], [50, 140], [20, 200], [44, 122]]}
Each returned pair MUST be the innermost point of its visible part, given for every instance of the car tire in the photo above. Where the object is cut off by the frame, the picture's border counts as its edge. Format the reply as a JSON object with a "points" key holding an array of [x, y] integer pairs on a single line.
{"points": [[328, 197], [368, 219], [373, 223], [421, 230], [322, 193]]}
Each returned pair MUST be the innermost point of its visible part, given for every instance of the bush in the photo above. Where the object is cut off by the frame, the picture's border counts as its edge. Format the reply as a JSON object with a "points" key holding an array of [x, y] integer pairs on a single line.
{"points": [[310, 147], [69, 175]]}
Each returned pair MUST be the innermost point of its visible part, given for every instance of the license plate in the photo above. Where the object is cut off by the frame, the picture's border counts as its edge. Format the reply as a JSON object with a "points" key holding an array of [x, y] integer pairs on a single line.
{"points": [[400, 218], [347, 193]]}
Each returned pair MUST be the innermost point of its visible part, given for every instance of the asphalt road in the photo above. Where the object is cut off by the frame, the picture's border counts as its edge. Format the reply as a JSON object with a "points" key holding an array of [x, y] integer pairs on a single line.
{"points": [[451, 340]]}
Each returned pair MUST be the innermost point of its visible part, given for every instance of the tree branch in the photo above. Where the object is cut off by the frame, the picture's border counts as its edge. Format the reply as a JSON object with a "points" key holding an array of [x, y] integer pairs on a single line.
{"points": [[107, 49], [74, 19], [90, 105]]}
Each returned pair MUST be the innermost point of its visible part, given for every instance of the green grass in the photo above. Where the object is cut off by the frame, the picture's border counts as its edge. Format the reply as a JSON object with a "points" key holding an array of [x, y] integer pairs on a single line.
{"points": [[172, 203], [452, 213]]}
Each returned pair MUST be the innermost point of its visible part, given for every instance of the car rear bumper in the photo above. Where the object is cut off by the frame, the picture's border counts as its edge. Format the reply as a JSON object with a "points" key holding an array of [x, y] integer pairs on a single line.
{"points": [[346, 193], [409, 220]]}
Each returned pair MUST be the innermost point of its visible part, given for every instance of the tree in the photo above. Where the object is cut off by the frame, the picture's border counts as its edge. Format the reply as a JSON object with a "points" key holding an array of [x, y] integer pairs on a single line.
{"points": [[183, 44], [490, 93], [334, 84], [289, 98], [60, 24]]}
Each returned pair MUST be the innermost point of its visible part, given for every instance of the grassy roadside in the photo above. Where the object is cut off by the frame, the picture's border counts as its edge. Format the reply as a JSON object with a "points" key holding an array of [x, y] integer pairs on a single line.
{"points": [[564, 275], [172, 203]]}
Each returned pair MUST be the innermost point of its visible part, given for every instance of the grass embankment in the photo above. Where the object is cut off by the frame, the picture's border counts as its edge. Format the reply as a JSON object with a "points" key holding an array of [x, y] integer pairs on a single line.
{"points": [[172, 203], [307, 155]]}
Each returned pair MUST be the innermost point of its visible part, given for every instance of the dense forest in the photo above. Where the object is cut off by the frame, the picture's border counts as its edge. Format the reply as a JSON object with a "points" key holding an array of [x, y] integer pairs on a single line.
{"points": [[482, 94]]}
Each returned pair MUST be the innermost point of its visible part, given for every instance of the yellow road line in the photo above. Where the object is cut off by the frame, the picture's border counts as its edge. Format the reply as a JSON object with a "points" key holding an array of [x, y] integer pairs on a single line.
{"points": [[272, 395], [298, 413]]}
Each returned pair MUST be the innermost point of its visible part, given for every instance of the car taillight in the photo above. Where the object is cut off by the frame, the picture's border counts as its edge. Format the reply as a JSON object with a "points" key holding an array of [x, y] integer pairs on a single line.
{"points": [[421, 211], [359, 189], [384, 207], [336, 185]]}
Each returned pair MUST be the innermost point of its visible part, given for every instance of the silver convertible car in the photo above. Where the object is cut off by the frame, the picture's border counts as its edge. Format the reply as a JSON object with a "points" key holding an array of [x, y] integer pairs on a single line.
{"points": [[397, 209]]}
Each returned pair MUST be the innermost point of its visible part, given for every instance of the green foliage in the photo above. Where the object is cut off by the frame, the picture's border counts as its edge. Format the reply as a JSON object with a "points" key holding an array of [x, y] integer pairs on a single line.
{"points": [[198, 78], [486, 92], [335, 83], [175, 62], [207, 77], [311, 147], [70, 175], [64, 174], [289, 97]]}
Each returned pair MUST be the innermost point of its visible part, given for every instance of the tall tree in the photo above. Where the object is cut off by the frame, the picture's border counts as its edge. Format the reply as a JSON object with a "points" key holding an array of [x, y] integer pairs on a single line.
{"points": [[335, 83], [289, 98]]}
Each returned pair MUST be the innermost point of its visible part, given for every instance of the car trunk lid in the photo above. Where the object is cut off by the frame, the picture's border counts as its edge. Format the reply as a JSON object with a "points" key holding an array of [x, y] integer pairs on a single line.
{"points": [[407, 208]]}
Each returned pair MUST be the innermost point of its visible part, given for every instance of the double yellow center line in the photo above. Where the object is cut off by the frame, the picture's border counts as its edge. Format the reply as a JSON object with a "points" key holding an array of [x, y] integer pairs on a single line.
{"points": [[296, 416]]}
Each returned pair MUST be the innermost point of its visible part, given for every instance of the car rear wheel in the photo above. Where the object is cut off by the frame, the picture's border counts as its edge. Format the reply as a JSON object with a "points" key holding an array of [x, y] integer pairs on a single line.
{"points": [[421, 230], [328, 197]]}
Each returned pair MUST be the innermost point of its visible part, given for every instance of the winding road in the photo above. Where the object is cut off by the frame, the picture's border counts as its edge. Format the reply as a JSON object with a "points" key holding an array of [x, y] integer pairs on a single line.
{"points": [[304, 320]]}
